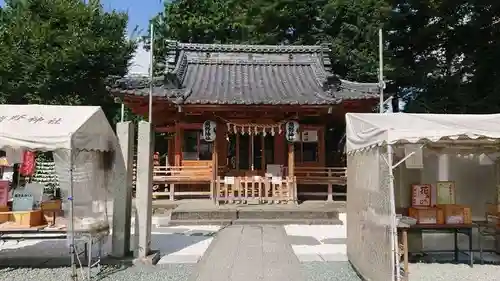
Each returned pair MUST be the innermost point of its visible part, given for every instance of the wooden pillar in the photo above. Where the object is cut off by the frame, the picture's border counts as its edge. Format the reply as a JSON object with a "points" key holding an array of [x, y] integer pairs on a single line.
{"points": [[291, 160], [291, 170], [214, 190], [238, 152], [170, 154], [222, 144], [279, 149], [321, 146], [330, 187], [177, 155], [178, 144]]}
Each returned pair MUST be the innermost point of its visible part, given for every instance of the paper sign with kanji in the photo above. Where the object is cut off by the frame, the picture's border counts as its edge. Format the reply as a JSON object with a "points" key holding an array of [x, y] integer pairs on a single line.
{"points": [[421, 195]]}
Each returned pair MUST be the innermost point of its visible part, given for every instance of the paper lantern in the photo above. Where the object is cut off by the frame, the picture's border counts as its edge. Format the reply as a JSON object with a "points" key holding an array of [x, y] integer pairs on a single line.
{"points": [[209, 130], [292, 131]]}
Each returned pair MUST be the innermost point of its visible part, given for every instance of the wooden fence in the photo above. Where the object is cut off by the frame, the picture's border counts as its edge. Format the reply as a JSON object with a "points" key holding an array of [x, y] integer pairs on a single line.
{"points": [[254, 189]]}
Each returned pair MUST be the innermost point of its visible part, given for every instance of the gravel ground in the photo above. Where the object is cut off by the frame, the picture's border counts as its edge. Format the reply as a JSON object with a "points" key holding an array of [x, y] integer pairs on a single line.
{"points": [[170, 272], [452, 272], [328, 271]]}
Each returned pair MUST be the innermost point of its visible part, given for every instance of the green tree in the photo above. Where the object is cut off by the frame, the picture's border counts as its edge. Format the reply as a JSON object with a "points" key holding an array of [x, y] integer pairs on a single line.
{"points": [[61, 52], [445, 54], [350, 26]]}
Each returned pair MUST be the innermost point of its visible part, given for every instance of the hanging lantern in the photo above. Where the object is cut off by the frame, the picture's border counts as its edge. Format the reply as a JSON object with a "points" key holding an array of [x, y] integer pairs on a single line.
{"points": [[235, 129], [292, 131], [272, 131], [249, 130], [256, 130], [209, 130], [280, 130], [264, 133]]}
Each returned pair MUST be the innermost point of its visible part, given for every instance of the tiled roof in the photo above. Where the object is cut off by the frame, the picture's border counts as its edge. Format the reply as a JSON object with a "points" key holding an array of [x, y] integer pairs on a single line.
{"points": [[248, 74]]}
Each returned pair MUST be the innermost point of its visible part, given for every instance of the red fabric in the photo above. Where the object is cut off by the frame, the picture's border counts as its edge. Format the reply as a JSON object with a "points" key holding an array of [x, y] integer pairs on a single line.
{"points": [[27, 168]]}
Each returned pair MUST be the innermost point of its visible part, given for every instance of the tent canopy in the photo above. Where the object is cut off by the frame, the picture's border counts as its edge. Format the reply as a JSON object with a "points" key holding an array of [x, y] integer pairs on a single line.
{"points": [[364, 130], [52, 127]]}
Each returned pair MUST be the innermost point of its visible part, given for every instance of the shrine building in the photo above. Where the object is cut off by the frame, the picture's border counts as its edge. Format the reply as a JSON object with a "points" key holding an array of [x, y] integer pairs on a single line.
{"points": [[249, 122]]}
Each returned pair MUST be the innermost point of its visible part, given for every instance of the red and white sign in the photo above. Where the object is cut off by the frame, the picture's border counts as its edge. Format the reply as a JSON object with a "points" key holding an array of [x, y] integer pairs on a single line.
{"points": [[4, 192], [27, 168]]}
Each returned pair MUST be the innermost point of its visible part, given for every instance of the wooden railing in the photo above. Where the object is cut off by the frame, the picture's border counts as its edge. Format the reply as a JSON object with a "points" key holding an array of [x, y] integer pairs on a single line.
{"points": [[256, 188], [182, 174], [173, 177], [320, 175], [329, 176]]}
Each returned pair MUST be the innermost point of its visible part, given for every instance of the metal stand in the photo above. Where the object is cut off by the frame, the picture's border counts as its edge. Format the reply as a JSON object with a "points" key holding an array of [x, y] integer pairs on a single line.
{"points": [[89, 239]]}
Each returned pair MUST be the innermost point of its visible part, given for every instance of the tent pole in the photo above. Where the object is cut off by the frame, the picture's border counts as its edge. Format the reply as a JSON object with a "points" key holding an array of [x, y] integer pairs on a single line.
{"points": [[381, 70], [71, 227], [394, 231], [122, 113]]}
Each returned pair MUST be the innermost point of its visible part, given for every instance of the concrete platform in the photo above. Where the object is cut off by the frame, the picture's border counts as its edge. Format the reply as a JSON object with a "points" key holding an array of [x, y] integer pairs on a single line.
{"points": [[193, 212]]}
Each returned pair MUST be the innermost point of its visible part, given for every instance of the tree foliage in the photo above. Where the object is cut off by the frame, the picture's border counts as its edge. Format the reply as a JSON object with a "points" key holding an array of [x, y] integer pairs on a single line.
{"points": [[440, 55], [445, 53], [61, 52], [350, 26]]}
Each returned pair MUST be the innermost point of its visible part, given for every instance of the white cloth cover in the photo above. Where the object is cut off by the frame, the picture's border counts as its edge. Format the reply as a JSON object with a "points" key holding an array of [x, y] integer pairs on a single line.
{"points": [[52, 127], [364, 130]]}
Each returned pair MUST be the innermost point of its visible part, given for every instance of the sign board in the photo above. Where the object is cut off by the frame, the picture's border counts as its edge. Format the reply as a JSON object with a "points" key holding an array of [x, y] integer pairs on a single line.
{"points": [[276, 180], [4, 192], [416, 160], [445, 192], [421, 195], [22, 200], [8, 174], [36, 190], [310, 136], [229, 180]]}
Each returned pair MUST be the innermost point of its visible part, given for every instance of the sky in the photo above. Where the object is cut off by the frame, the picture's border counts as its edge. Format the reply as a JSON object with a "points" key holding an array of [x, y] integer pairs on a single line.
{"points": [[140, 11]]}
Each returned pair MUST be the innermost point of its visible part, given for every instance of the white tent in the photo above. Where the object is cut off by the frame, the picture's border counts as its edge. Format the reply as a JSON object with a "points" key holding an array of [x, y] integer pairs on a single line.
{"points": [[89, 164], [52, 127], [365, 130], [370, 140]]}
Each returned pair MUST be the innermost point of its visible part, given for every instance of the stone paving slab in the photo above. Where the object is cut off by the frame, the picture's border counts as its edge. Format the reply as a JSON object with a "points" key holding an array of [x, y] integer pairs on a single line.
{"points": [[249, 252], [319, 242]]}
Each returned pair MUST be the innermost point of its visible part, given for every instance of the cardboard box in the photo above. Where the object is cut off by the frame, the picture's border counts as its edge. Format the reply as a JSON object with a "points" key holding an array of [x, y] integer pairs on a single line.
{"points": [[456, 214], [429, 215]]}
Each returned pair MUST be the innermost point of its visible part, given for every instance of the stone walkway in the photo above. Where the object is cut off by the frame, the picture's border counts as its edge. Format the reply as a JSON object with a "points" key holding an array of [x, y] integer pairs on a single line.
{"points": [[249, 253]]}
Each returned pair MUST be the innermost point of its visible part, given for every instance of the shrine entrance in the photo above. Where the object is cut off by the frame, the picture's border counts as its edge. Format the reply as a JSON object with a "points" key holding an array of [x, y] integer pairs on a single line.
{"points": [[250, 154]]}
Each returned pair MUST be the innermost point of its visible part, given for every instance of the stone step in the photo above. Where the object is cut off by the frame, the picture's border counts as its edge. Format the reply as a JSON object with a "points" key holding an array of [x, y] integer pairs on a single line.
{"points": [[287, 214], [254, 214], [204, 215], [287, 222], [254, 222]]}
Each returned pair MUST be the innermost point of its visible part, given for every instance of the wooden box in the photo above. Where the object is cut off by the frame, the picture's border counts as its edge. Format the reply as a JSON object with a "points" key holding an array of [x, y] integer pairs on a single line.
{"points": [[51, 206], [27, 218], [493, 209], [453, 211], [4, 214], [428, 215]]}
